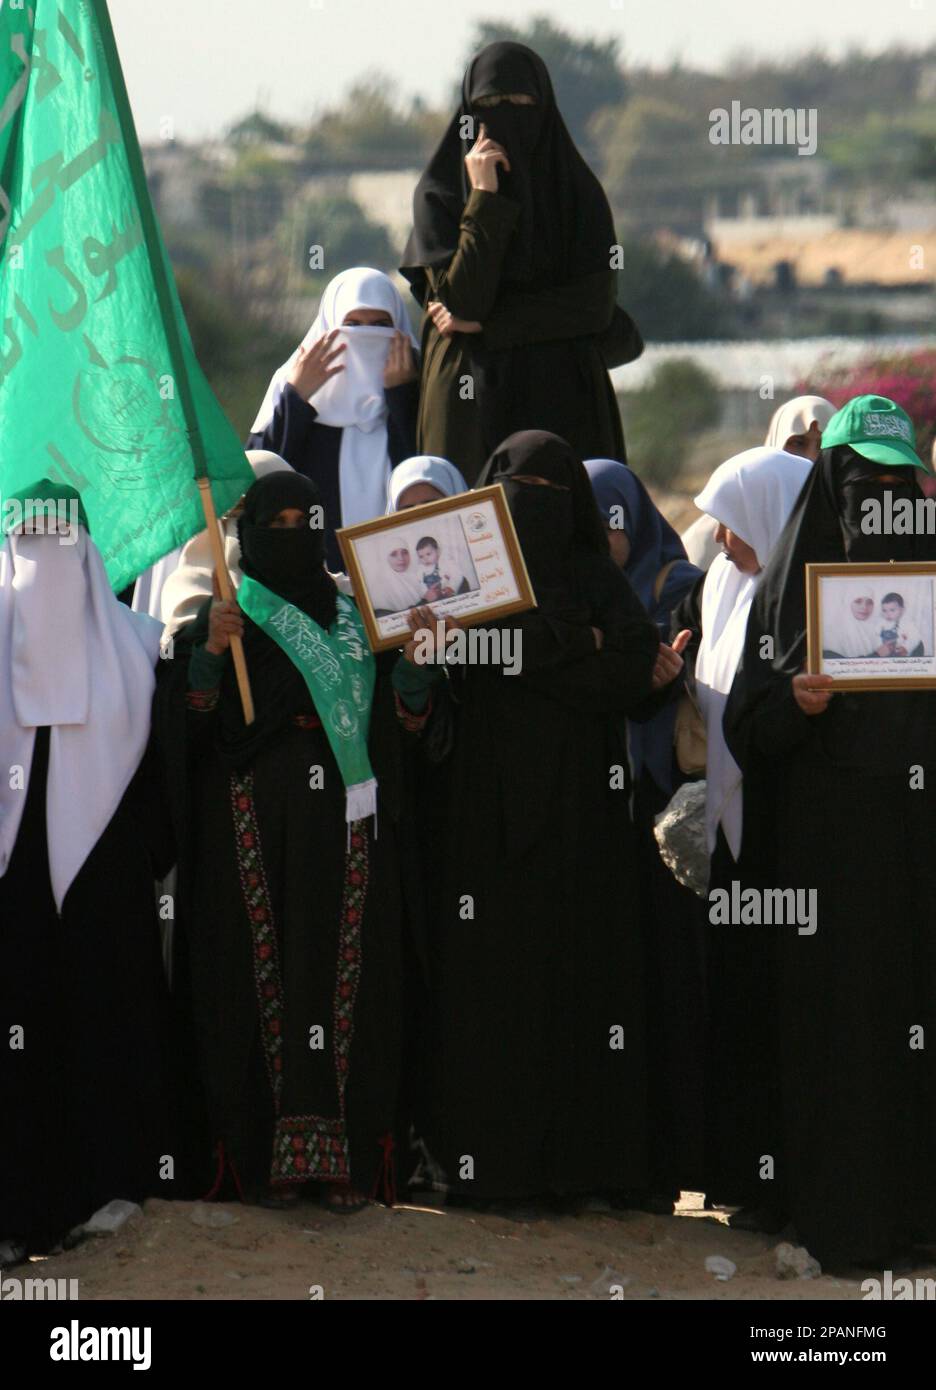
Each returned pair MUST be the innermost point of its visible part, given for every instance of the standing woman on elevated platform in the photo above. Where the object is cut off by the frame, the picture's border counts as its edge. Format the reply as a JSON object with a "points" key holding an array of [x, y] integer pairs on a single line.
{"points": [[510, 255]]}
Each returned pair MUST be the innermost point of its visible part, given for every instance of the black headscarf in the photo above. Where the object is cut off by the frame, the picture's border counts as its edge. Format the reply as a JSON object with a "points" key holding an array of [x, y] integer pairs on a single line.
{"points": [[565, 229], [825, 528], [291, 562], [559, 528], [288, 560]]}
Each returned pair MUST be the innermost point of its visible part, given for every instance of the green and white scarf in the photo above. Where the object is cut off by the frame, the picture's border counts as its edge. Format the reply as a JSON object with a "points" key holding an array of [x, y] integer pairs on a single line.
{"points": [[338, 667]]}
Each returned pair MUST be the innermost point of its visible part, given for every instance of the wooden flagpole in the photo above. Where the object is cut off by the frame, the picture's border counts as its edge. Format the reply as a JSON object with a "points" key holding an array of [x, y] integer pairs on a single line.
{"points": [[227, 594], [159, 266]]}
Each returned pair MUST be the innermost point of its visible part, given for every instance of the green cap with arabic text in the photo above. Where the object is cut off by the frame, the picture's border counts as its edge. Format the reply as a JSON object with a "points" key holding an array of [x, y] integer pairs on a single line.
{"points": [[876, 428]]}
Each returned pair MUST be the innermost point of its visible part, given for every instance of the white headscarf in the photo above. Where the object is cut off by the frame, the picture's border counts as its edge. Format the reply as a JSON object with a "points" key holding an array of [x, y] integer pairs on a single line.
{"points": [[353, 400], [796, 417], [752, 494], [76, 660], [148, 590], [699, 542], [391, 590], [793, 418], [424, 468], [190, 584], [846, 634]]}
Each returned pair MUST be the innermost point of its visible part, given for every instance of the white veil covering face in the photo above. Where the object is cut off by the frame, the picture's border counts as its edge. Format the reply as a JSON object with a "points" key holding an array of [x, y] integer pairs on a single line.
{"points": [[74, 659], [353, 400], [845, 634], [753, 495], [424, 468], [190, 583]]}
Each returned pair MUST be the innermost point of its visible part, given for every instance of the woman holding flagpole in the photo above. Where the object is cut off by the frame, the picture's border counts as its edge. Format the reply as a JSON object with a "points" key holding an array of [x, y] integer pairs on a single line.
{"points": [[290, 904]]}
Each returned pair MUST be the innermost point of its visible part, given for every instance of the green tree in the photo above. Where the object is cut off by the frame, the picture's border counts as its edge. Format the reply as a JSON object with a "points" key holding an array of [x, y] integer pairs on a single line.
{"points": [[257, 129], [659, 165], [342, 229], [372, 129], [663, 293], [663, 420], [238, 349]]}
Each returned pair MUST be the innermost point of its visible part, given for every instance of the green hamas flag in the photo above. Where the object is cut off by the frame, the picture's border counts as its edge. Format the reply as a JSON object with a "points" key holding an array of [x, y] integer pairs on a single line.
{"points": [[99, 386]]}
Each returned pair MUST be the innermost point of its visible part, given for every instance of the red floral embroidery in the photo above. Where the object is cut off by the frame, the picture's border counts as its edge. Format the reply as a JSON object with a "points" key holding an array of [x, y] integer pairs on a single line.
{"points": [[309, 1147], [256, 900], [305, 1147]]}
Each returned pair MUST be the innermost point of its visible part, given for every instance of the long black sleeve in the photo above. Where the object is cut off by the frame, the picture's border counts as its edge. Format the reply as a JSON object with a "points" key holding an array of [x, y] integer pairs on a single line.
{"points": [[618, 676]]}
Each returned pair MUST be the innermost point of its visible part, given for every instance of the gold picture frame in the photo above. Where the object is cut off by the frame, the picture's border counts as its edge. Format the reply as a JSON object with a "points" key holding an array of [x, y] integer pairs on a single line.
{"points": [[834, 637], [478, 564]]}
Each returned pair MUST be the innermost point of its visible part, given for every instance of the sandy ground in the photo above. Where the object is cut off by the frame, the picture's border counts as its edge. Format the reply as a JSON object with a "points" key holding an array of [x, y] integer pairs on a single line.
{"points": [[423, 1253]]}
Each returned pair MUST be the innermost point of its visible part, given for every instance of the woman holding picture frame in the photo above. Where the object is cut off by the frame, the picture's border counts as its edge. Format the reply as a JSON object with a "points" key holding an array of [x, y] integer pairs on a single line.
{"points": [[292, 910], [839, 788], [538, 979]]}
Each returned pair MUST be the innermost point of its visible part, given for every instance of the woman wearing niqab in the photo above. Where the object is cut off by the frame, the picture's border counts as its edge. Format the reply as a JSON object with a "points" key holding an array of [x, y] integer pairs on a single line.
{"points": [[83, 836], [290, 905], [342, 409], [522, 268], [539, 981], [830, 790], [653, 560]]}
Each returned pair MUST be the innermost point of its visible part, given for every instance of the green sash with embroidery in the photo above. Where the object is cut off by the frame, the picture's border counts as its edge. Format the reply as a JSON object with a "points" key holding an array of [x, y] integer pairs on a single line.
{"points": [[338, 667]]}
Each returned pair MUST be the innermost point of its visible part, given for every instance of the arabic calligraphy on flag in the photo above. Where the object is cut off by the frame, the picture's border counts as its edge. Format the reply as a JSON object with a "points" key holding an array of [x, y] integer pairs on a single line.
{"points": [[99, 384]]}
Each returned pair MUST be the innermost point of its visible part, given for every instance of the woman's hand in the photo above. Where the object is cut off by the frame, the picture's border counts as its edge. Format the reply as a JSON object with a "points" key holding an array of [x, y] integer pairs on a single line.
{"points": [[400, 367], [482, 160], [225, 620], [423, 620], [811, 693], [669, 660], [599, 638], [446, 323], [315, 364]]}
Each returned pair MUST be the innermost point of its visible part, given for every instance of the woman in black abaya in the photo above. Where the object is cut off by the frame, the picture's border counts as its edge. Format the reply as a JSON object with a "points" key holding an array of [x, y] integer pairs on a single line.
{"points": [[85, 1083], [829, 794], [510, 254], [539, 990], [290, 907]]}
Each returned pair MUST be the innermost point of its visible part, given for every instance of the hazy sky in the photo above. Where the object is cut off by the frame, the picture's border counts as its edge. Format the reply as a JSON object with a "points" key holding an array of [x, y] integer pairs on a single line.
{"points": [[205, 62]]}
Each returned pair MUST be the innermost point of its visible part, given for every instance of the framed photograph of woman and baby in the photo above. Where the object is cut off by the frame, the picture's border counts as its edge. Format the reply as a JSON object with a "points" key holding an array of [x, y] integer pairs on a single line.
{"points": [[871, 627], [459, 555]]}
